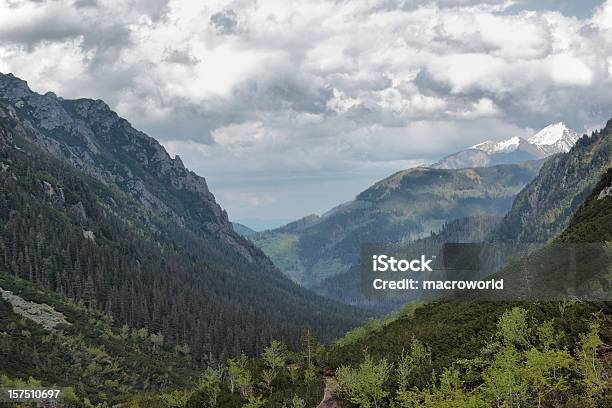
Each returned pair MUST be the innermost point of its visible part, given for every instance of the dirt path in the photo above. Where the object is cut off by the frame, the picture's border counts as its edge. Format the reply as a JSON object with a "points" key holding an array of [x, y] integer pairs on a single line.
{"points": [[328, 395]]}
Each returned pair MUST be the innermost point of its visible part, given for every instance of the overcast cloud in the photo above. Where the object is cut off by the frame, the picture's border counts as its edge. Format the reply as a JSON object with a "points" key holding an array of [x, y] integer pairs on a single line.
{"points": [[291, 107]]}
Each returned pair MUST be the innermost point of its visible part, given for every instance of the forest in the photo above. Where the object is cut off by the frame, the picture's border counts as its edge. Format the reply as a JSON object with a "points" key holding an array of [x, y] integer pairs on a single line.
{"points": [[82, 239]]}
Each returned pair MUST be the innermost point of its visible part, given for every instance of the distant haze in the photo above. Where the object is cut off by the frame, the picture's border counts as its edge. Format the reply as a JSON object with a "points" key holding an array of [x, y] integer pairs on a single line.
{"points": [[292, 107], [259, 224]]}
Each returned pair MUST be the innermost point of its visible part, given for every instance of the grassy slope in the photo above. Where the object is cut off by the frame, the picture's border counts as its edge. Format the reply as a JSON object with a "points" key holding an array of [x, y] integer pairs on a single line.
{"points": [[282, 248]]}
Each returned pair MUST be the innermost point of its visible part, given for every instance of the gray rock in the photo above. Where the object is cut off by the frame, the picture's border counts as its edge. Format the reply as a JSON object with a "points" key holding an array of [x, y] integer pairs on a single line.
{"points": [[87, 234], [95, 140], [39, 313], [606, 192], [78, 210]]}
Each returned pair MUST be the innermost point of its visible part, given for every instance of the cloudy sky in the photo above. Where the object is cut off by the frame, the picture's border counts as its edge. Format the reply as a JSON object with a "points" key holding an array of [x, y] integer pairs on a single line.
{"points": [[291, 107]]}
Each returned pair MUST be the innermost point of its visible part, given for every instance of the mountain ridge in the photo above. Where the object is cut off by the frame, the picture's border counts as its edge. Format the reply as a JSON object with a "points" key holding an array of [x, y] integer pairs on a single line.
{"points": [[545, 206], [554, 138], [407, 205], [84, 126], [137, 226]]}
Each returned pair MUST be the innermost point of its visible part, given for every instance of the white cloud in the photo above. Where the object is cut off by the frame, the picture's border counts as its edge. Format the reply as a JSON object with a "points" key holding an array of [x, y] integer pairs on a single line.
{"points": [[482, 108], [569, 70], [603, 17], [241, 134], [319, 87]]}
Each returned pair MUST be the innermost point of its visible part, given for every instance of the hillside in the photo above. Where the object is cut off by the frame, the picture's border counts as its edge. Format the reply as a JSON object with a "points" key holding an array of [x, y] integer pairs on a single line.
{"points": [[243, 230], [458, 315], [346, 286], [403, 207], [593, 220], [98, 212], [446, 353], [544, 208], [476, 348], [81, 349]]}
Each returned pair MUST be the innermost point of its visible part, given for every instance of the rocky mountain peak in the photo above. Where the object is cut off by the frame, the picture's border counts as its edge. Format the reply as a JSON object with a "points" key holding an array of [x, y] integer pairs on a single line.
{"points": [[492, 147], [553, 139], [13, 87], [91, 136]]}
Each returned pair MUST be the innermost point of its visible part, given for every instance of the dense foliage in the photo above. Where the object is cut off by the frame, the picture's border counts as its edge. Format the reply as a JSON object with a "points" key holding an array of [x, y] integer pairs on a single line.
{"points": [[545, 207], [443, 354], [524, 362], [346, 286], [593, 220], [97, 360], [84, 240], [276, 378]]}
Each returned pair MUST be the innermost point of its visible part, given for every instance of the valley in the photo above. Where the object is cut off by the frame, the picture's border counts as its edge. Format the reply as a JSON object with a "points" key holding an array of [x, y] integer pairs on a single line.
{"points": [[117, 262], [100, 215], [406, 206], [297, 204]]}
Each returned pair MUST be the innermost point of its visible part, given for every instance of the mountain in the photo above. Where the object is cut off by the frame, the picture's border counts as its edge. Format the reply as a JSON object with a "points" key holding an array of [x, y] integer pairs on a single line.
{"points": [[592, 222], [243, 230], [478, 349], [553, 139], [54, 341], [405, 206], [346, 286], [544, 208], [99, 213], [451, 352]]}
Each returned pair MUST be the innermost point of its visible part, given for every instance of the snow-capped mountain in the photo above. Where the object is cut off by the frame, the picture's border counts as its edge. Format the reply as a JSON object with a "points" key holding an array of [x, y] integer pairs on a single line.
{"points": [[554, 138], [505, 146]]}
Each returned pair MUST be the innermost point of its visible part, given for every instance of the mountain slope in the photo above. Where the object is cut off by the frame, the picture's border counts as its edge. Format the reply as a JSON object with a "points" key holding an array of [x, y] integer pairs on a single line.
{"points": [[243, 230], [443, 321], [82, 349], [346, 286], [466, 337], [406, 206], [98, 212], [98, 142], [555, 138], [593, 220], [544, 208]]}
